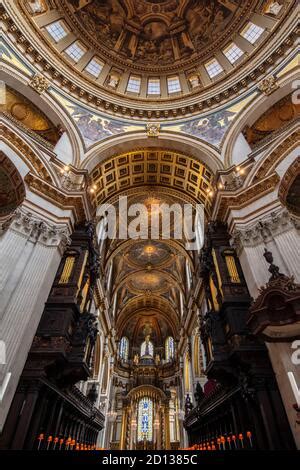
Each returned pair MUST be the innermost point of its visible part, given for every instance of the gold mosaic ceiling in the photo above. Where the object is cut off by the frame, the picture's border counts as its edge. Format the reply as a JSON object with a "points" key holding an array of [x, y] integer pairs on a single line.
{"points": [[149, 33]]}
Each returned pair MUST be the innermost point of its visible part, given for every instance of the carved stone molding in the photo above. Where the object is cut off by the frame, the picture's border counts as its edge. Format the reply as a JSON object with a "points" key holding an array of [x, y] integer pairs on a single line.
{"points": [[73, 201], [27, 153], [275, 157], [38, 231], [265, 229], [231, 200]]}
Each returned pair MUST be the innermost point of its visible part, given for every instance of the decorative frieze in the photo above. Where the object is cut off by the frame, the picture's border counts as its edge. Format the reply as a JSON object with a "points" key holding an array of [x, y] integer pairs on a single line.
{"points": [[265, 229], [74, 202]]}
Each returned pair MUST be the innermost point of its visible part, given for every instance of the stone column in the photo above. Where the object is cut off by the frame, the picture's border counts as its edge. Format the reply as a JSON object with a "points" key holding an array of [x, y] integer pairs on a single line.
{"points": [[167, 426], [124, 429], [30, 250], [282, 362]]}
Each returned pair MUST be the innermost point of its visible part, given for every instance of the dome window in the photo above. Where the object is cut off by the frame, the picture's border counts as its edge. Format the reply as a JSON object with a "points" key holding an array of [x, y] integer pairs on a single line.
{"points": [[153, 86], [75, 51], [94, 67], [252, 32], [134, 84], [57, 30], [213, 68], [174, 85], [233, 53]]}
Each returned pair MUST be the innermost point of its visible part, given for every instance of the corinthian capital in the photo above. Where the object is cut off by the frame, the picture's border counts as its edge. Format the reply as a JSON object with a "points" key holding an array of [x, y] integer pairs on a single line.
{"points": [[265, 229], [30, 226]]}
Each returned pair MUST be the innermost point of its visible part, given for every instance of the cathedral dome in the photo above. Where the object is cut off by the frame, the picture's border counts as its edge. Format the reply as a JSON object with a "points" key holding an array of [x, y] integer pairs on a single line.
{"points": [[181, 55]]}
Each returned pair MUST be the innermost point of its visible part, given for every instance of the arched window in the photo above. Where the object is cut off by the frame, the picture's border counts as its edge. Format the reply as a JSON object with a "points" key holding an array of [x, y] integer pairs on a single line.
{"points": [[124, 349], [197, 356], [95, 366], [105, 375], [145, 419], [187, 376], [147, 349], [170, 349]]}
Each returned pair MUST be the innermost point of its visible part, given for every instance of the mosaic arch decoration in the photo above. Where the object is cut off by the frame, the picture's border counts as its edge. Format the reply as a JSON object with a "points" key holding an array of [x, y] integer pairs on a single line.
{"points": [[96, 127]]}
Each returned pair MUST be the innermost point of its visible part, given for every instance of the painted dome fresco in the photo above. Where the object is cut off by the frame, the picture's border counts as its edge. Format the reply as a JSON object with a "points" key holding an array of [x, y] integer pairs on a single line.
{"points": [[157, 34]]}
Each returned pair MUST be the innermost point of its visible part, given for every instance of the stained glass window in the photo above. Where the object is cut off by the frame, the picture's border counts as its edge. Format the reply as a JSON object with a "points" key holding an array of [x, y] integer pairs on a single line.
{"points": [[145, 419], [170, 350], [124, 348], [147, 349]]}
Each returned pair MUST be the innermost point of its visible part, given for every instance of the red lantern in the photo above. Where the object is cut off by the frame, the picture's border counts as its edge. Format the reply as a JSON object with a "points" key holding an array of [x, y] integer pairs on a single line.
{"points": [[55, 442], [40, 439], [249, 435], [50, 439]]}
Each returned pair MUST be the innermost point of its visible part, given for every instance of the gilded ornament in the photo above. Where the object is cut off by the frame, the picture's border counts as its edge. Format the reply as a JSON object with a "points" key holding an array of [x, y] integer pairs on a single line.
{"points": [[153, 129], [268, 85], [39, 83]]}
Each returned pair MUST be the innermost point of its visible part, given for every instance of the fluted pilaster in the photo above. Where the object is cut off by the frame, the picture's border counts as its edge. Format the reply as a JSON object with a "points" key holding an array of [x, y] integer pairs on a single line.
{"points": [[31, 252]]}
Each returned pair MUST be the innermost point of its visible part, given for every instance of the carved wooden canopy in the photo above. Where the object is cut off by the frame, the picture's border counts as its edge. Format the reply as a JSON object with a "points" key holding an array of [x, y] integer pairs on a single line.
{"points": [[275, 314]]}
